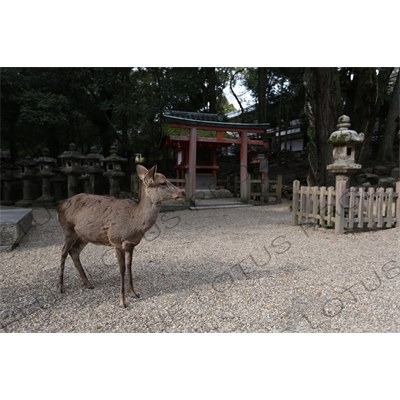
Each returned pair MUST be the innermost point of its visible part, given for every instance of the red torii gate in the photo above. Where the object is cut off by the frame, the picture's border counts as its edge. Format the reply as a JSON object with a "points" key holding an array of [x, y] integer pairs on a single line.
{"points": [[219, 126]]}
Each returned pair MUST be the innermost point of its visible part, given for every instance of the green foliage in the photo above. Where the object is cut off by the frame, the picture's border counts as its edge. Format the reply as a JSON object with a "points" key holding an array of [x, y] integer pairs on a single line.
{"points": [[97, 106]]}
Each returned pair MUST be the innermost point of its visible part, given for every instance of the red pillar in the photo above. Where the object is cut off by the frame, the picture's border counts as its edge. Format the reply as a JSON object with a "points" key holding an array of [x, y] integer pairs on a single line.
{"points": [[244, 173], [192, 164]]}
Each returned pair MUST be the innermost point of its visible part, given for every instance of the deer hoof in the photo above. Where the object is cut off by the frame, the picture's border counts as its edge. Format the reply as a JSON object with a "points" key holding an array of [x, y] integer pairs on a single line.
{"points": [[89, 286]]}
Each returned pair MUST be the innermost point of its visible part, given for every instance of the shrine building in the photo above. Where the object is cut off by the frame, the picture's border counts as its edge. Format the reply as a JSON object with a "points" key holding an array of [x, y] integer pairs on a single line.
{"points": [[197, 155]]}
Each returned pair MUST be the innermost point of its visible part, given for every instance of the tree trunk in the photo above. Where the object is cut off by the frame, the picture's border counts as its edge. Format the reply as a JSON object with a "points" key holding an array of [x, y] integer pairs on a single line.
{"points": [[231, 83], [212, 93], [367, 95], [322, 109], [262, 101], [385, 154], [280, 126]]}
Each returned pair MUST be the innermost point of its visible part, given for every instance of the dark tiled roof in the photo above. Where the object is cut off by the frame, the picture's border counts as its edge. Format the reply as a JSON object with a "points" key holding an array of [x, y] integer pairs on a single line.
{"points": [[196, 116]]}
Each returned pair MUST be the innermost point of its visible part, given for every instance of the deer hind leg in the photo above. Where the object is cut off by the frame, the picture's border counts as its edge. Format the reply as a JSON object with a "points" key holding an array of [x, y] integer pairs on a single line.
{"points": [[128, 261], [74, 252], [69, 242], [120, 253]]}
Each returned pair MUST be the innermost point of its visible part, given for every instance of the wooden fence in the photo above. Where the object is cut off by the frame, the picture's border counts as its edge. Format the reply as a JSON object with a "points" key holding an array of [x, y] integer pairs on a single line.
{"points": [[255, 187], [346, 208]]}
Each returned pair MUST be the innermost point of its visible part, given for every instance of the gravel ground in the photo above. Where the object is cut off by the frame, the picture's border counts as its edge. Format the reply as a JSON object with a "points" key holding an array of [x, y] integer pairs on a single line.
{"points": [[218, 270]]}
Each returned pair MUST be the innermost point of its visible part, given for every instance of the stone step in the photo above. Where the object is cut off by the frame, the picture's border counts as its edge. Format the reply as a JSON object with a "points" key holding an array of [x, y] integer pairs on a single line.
{"points": [[212, 206], [14, 223]]}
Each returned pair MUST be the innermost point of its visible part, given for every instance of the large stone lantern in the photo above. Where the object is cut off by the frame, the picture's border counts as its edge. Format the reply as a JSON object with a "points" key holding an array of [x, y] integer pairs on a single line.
{"points": [[27, 173], [94, 168], [72, 166], [114, 171], [46, 166], [344, 142]]}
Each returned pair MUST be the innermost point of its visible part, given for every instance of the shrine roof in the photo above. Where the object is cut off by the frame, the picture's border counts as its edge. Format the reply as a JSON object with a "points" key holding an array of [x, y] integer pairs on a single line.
{"points": [[198, 116], [205, 120]]}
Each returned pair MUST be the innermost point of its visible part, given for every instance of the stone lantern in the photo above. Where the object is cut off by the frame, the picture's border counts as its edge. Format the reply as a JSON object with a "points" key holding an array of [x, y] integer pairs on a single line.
{"points": [[344, 142], [27, 174], [93, 168], [114, 170], [7, 177], [72, 166], [46, 166]]}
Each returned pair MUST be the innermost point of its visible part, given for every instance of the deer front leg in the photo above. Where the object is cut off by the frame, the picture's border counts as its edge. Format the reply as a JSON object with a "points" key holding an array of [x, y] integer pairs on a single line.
{"points": [[121, 261], [128, 253]]}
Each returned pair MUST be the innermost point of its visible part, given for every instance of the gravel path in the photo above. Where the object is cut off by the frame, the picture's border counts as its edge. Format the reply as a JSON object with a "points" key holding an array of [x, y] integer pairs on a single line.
{"points": [[220, 270]]}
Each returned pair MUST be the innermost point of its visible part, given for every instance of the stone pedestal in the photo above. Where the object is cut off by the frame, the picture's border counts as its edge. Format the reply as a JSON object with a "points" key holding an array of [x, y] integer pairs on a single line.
{"points": [[27, 174], [58, 181], [114, 178], [85, 179], [7, 177]]}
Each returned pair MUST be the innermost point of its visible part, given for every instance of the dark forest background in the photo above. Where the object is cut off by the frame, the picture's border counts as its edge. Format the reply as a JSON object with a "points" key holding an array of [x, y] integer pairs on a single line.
{"points": [[52, 107]]}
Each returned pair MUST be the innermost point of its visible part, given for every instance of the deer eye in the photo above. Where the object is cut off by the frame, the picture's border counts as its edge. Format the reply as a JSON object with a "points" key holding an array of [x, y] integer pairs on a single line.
{"points": [[163, 183]]}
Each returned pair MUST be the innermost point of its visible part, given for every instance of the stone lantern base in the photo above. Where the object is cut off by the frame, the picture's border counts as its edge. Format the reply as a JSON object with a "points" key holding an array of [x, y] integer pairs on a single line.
{"points": [[45, 201], [344, 171]]}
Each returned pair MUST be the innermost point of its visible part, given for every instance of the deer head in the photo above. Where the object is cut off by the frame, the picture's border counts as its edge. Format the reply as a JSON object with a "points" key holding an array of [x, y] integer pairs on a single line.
{"points": [[156, 186]]}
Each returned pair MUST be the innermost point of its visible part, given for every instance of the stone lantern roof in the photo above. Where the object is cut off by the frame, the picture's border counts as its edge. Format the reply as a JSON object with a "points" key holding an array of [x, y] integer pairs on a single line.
{"points": [[345, 136], [72, 160], [28, 166], [46, 163], [72, 153], [94, 161], [113, 163], [93, 155], [113, 156]]}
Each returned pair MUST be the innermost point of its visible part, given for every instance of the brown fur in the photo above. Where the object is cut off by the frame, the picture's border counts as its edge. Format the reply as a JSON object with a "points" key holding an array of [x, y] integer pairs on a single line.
{"points": [[88, 218]]}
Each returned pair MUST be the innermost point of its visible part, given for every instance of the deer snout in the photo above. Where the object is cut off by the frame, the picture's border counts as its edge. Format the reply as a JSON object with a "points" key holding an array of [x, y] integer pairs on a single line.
{"points": [[180, 195]]}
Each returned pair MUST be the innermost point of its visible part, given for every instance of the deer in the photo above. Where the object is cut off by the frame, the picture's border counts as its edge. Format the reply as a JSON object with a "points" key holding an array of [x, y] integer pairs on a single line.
{"points": [[119, 223]]}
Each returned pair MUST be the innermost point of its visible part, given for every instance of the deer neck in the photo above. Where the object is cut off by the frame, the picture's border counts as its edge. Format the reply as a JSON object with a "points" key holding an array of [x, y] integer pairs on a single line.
{"points": [[147, 209]]}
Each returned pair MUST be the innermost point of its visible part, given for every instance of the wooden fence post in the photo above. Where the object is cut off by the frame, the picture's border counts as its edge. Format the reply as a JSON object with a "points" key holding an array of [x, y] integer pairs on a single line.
{"points": [[330, 205], [339, 205], [235, 186], [370, 207], [322, 206], [248, 183], [379, 207], [397, 205], [187, 197], [295, 203], [389, 204], [279, 189], [314, 211], [361, 208]]}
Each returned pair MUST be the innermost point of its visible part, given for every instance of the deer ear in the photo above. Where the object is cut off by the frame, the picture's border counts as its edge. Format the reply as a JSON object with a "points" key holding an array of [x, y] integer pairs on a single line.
{"points": [[141, 171], [150, 176]]}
